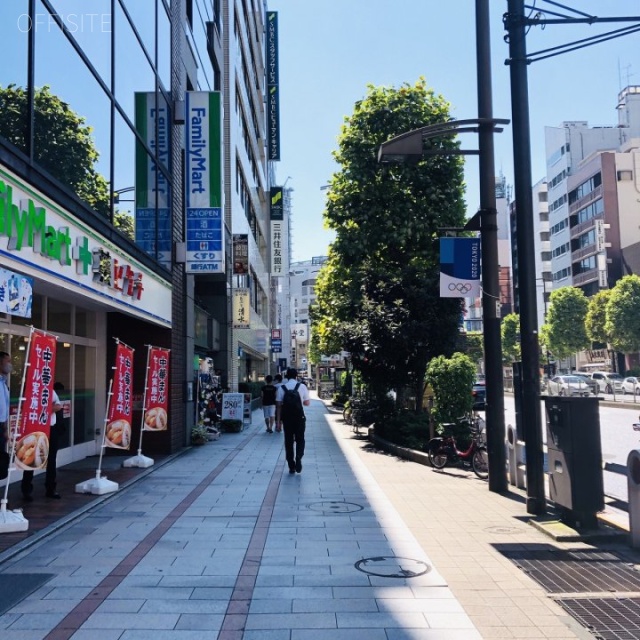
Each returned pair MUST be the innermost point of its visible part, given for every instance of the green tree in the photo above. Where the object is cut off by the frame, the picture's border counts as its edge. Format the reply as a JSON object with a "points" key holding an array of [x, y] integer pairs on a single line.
{"points": [[63, 142], [623, 315], [124, 222], [378, 295], [597, 317], [475, 346], [566, 333], [452, 381], [510, 330]]}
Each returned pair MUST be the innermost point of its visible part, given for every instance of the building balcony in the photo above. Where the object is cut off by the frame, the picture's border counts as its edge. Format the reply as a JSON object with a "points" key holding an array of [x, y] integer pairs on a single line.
{"points": [[583, 202], [587, 225], [586, 276], [584, 252]]}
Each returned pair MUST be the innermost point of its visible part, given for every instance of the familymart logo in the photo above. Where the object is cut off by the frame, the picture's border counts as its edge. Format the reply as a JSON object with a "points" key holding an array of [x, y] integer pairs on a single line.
{"points": [[25, 225]]}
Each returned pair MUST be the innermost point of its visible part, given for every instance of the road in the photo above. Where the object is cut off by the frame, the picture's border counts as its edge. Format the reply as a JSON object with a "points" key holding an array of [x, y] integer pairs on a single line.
{"points": [[618, 438]]}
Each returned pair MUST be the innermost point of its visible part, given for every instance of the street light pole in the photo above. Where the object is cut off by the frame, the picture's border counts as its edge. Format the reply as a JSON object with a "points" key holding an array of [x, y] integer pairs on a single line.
{"points": [[491, 310], [531, 415]]}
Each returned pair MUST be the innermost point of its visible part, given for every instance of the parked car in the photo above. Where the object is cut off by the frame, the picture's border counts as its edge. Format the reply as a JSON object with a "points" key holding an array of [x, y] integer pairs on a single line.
{"points": [[479, 393], [608, 382], [631, 384], [568, 386], [591, 383]]}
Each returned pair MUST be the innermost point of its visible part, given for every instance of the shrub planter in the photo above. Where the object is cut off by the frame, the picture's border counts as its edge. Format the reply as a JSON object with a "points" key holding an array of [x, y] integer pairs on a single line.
{"points": [[231, 426]]}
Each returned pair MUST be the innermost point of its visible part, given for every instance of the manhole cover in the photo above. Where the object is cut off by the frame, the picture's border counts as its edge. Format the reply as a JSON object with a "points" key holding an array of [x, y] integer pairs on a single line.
{"points": [[588, 571], [504, 530], [335, 507], [393, 567], [610, 618]]}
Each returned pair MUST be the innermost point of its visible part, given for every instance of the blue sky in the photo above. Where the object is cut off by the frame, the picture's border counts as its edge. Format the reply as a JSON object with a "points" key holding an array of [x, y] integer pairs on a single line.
{"points": [[330, 51]]}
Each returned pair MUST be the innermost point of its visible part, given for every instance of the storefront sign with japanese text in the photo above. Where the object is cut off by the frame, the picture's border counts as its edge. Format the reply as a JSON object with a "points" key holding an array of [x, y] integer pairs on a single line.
{"points": [[118, 434], [32, 447], [241, 309], [157, 388]]}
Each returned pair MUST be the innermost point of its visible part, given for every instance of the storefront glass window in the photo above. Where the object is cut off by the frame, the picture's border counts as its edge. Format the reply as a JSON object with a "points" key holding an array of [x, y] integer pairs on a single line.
{"points": [[143, 15], [85, 323], [36, 314], [164, 46], [72, 120], [133, 71], [124, 177], [17, 347], [63, 375], [84, 394], [59, 316], [14, 32], [90, 28]]}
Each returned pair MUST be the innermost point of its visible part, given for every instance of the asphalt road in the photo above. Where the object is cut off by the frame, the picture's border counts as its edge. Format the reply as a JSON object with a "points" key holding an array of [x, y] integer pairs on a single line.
{"points": [[617, 434]]}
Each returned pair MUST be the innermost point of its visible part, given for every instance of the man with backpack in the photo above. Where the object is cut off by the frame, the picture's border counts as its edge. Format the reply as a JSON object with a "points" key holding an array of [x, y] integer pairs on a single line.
{"points": [[290, 398]]}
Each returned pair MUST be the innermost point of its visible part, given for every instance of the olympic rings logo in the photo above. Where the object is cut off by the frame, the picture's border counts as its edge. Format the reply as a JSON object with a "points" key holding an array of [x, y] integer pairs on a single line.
{"points": [[460, 287]]}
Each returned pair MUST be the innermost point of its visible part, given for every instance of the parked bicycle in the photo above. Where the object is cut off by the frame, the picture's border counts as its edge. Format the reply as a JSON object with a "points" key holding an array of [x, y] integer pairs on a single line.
{"points": [[443, 450]]}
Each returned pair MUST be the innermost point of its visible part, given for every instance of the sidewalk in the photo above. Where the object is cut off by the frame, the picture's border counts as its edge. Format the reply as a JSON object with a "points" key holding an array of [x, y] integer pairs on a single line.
{"points": [[223, 542]]}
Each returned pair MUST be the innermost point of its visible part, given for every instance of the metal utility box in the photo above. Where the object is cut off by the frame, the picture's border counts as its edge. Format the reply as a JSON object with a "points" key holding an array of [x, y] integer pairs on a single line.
{"points": [[575, 458]]}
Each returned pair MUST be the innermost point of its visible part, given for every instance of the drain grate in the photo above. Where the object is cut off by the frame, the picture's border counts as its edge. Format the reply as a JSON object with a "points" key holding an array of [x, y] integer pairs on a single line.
{"points": [[588, 571], [607, 619], [15, 587]]}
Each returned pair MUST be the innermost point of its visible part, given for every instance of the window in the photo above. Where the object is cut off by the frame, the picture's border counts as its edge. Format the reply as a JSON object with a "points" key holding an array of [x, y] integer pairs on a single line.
{"points": [[625, 175]]}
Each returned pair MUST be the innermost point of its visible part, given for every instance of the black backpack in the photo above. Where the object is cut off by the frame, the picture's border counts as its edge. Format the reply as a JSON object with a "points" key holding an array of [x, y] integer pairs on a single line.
{"points": [[292, 412]]}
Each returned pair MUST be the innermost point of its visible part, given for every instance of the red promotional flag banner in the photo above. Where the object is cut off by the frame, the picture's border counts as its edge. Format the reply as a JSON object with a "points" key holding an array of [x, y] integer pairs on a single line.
{"points": [[118, 434], [156, 397], [32, 447]]}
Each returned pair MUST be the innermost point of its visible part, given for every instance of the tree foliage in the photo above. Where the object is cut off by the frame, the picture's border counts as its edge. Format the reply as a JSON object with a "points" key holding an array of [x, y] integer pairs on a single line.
{"points": [[623, 315], [596, 318], [566, 333], [475, 346], [378, 294], [510, 330], [452, 381], [63, 142]]}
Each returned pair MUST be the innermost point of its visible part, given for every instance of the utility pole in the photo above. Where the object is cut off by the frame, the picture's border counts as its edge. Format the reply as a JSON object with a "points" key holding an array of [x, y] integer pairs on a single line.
{"points": [[531, 414], [490, 262]]}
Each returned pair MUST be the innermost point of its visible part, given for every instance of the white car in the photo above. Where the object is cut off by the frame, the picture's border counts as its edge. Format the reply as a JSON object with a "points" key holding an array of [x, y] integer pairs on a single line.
{"points": [[608, 382], [631, 385], [568, 386]]}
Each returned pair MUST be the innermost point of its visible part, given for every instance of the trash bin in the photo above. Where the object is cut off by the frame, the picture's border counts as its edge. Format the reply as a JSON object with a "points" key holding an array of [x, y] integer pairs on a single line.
{"points": [[575, 459]]}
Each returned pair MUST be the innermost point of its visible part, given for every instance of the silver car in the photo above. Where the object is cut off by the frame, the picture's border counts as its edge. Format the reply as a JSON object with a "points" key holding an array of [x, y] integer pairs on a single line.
{"points": [[568, 386], [631, 385]]}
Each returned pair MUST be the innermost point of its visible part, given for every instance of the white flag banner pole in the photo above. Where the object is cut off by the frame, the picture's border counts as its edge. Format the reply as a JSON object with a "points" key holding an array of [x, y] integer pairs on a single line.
{"points": [[11, 521], [139, 460]]}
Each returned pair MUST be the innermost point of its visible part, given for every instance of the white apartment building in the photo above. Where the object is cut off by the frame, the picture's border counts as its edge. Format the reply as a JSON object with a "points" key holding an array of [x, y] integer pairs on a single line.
{"points": [[568, 148]]}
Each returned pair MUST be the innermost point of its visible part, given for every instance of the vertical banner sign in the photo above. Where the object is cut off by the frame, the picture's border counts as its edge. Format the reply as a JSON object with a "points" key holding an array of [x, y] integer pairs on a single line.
{"points": [[460, 268], [276, 216], [152, 189], [157, 397], [240, 254], [32, 447], [241, 314], [203, 178], [118, 435], [273, 87]]}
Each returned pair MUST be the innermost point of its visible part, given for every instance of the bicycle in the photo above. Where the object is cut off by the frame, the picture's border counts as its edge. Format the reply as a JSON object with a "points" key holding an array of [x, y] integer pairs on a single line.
{"points": [[443, 450]]}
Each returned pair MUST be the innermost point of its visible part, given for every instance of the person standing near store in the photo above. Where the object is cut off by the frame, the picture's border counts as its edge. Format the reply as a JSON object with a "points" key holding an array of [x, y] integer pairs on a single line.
{"points": [[5, 370], [54, 441], [268, 395], [289, 410]]}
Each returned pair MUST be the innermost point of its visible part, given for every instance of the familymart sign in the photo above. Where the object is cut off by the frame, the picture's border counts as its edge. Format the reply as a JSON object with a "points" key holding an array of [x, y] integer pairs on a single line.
{"points": [[45, 241]]}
